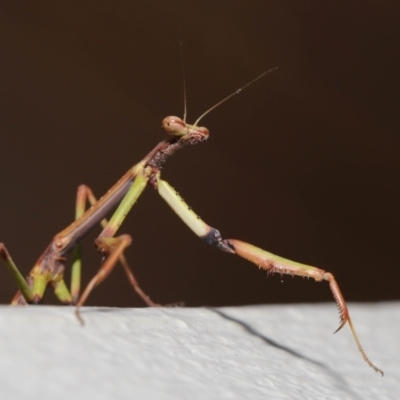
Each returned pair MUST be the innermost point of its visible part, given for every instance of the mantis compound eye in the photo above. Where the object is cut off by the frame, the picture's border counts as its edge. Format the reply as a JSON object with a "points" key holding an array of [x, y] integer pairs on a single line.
{"points": [[174, 126]]}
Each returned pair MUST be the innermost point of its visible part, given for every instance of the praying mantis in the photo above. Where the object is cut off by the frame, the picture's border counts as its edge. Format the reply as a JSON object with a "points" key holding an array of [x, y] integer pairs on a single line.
{"points": [[49, 268]]}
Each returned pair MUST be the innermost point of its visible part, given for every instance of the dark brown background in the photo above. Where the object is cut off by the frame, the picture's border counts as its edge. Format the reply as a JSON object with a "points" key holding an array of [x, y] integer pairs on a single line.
{"points": [[304, 163]]}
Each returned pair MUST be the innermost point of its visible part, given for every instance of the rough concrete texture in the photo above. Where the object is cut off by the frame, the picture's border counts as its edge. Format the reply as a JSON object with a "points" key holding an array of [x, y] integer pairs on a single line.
{"points": [[253, 352]]}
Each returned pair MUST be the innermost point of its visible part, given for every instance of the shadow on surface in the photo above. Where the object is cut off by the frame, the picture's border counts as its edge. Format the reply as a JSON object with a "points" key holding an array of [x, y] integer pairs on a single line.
{"points": [[340, 382]]}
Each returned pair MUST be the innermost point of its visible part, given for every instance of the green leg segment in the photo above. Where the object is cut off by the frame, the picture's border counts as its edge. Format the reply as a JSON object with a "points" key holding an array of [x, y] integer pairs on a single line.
{"points": [[62, 292], [124, 207], [19, 279], [82, 195]]}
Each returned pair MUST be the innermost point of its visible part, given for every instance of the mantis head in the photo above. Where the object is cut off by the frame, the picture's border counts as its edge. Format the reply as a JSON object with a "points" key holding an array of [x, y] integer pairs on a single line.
{"points": [[178, 128]]}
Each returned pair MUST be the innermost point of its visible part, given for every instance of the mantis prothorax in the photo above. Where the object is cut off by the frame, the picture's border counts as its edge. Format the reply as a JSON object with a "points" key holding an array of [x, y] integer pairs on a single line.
{"points": [[49, 268]]}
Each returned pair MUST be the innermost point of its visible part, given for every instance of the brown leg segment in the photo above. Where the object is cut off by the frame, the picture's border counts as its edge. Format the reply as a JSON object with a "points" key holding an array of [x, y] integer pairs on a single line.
{"points": [[112, 249], [135, 283], [273, 263]]}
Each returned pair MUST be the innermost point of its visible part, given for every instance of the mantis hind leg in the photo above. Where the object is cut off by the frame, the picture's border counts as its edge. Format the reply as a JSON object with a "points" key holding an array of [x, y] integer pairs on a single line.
{"points": [[84, 195], [32, 289], [37, 281]]}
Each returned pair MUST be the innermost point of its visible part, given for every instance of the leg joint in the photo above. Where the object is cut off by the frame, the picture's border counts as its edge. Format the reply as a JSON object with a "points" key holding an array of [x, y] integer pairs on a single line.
{"points": [[214, 239]]}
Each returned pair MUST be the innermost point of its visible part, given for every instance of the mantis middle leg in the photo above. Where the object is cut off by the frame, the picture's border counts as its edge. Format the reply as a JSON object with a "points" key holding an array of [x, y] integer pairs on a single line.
{"points": [[84, 196], [112, 248]]}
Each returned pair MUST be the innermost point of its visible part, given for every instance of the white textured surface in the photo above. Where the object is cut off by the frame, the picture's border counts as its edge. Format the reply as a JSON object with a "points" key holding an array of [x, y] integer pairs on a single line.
{"points": [[257, 352]]}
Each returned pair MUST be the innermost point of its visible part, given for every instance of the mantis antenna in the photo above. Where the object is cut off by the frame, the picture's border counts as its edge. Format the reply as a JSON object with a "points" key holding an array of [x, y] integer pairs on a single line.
{"points": [[184, 85], [231, 95]]}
